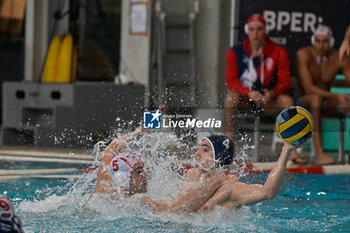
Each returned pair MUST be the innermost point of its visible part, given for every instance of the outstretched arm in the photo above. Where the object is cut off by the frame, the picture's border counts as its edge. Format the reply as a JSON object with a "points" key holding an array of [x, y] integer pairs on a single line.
{"points": [[189, 200], [246, 194], [239, 194]]}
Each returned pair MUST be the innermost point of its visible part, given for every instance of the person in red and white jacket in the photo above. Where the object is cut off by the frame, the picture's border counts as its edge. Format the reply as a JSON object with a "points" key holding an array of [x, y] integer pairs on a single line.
{"points": [[257, 76]]}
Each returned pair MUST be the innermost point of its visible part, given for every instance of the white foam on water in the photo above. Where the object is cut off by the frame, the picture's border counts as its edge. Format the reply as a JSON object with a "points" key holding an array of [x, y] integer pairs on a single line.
{"points": [[75, 197]]}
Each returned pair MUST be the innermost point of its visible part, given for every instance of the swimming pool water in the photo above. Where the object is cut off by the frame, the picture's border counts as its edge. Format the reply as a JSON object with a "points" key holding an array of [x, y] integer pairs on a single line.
{"points": [[306, 203]]}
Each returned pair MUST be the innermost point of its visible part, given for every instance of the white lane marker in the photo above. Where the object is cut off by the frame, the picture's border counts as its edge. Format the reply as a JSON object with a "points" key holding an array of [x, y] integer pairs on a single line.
{"points": [[35, 171], [45, 154], [35, 159], [41, 176]]}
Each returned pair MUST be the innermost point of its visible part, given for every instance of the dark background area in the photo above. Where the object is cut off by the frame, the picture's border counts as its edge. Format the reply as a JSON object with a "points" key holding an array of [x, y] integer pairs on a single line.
{"points": [[334, 13]]}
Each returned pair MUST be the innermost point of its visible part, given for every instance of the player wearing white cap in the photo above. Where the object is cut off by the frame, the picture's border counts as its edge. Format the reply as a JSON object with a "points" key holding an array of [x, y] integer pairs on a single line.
{"points": [[125, 173], [204, 186], [121, 172], [318, 66]]}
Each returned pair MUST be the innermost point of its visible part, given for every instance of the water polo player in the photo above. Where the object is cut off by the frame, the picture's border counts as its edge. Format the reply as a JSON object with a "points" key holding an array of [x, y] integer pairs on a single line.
{"points": [[121, 172], [125, 173], [318, 66], [202, 181], [211, 184], [9, 222]]}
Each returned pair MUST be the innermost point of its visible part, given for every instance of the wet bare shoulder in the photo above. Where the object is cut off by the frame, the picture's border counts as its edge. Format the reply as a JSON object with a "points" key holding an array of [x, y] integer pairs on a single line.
{"points": [[232, 178], [304, 53]]}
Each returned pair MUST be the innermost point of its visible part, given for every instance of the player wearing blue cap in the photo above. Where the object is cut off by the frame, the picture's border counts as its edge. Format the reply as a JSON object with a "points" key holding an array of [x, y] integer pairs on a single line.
{"points": [[235, 194], [123, 174], [222, 148], [211, 183], [208, 184], [201, 182]]}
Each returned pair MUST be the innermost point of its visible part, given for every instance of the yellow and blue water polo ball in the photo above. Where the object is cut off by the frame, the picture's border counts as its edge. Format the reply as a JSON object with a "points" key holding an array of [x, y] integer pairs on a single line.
{"points": [[295, 125]]}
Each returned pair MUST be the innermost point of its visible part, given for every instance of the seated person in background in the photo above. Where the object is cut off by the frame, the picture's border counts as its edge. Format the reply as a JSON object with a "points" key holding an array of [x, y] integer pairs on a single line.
{"points": [[215, 156], [257, 75], [9, 222], [344, 49], [317, 67]]}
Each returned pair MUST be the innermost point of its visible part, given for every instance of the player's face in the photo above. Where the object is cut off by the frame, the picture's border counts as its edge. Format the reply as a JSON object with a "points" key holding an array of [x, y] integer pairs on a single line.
{"points": [[205, 155], [256, 34], [322, 44], [138, 179]]}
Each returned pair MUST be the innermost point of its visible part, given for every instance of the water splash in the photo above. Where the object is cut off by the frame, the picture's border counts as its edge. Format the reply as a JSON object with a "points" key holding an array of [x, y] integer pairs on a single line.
{"points": [[160, 151]]}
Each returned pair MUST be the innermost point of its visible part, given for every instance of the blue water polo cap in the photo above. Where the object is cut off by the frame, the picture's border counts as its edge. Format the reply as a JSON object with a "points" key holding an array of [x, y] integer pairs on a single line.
{"points": [[223, 149]]}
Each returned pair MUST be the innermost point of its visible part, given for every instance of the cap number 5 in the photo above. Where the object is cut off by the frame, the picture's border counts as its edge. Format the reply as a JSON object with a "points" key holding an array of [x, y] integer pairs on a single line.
{"points": [[115, 165]]}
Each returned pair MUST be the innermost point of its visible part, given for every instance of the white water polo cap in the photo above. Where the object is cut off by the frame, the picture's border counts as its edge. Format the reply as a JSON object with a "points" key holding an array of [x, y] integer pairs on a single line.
{"points": [[323, 30], [121, 168], [6, 205]]}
